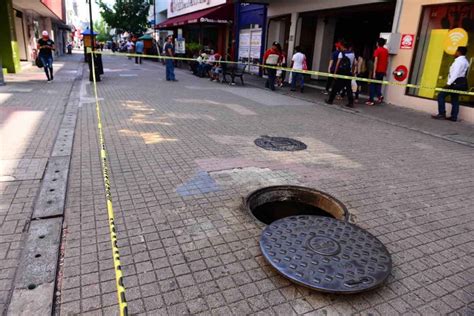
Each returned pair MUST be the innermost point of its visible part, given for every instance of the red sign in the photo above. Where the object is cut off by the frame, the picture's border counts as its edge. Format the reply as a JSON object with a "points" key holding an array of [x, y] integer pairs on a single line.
{"points": [[407, 41]]}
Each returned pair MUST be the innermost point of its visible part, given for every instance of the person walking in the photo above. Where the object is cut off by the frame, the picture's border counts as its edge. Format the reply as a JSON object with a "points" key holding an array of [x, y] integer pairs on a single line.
{"points": [[169, 51], [332, 66], [139, 47], [344, 65], [272, 57], [298, 62], [457, 80], [46, 47], [379, 72]]}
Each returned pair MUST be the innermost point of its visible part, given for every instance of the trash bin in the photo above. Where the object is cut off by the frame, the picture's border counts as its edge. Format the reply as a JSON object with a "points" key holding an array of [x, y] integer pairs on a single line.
{"points": [[97, 68]]}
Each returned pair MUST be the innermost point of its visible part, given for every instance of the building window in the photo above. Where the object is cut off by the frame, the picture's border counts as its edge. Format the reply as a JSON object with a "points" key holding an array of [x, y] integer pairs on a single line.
{"points": [[443, 28]]}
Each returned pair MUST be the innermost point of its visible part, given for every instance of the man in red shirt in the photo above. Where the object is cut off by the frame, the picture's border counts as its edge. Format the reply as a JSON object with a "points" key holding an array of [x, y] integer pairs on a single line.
{"points": [[380, 70], [272, 58]]}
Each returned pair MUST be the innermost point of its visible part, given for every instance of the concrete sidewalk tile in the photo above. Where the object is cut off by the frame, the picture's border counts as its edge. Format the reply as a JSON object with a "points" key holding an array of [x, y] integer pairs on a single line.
{"points": [[182, 158]]}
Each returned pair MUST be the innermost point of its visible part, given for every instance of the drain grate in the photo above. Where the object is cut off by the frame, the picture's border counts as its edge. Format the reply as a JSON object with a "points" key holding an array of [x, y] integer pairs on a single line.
{"points": [[279, 143], [326, 254]]}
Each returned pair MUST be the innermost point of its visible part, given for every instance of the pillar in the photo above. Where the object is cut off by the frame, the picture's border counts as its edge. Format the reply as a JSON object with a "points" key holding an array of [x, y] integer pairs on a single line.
{"points": [[292, 35], [323, 44], [9, 51]]}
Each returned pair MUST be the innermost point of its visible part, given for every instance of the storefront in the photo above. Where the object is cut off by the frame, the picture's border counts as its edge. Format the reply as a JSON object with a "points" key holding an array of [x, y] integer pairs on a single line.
{"points": [[315, 25], [437, 28], [207, 24], [251, 29]]}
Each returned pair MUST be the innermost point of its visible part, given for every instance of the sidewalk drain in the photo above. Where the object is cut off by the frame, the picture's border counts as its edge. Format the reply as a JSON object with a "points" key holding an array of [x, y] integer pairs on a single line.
{"points": [[279, 143], [272, 203]]}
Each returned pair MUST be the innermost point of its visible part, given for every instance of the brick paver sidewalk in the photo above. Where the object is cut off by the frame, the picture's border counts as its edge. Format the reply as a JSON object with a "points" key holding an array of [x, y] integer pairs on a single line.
{"points": [[30, 114], [182, 158]]}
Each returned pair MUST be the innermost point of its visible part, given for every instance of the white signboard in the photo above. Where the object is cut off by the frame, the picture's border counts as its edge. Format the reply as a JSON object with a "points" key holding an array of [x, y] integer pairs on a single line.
{"points": [[180, 7]]}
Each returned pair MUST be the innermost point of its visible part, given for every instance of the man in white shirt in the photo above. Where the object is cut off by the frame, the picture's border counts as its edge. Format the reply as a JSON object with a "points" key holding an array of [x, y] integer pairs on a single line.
{"points": [[299, 63], [456, 80]]}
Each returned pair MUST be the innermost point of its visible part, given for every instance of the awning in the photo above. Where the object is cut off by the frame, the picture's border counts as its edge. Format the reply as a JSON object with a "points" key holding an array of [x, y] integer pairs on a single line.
{"points": [[219, 15]]}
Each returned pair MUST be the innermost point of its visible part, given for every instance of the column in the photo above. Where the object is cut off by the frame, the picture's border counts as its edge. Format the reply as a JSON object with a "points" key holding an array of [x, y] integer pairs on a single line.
{"points": [[292, 35], [323, 44], [9, 51]]}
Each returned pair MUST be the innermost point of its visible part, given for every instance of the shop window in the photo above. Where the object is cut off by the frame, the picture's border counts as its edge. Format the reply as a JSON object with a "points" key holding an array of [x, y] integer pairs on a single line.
{"points": [[443, 28]]}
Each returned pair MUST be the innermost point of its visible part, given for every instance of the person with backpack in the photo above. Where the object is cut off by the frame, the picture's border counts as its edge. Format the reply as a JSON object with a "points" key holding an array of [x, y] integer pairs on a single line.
{"points": [[344, 65], [298, 62], [272, 58]]}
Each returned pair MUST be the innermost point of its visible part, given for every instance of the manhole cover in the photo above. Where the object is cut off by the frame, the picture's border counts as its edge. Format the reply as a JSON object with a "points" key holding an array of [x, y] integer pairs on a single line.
{"points": [[326, 254], [279, 143], [272, 203]]}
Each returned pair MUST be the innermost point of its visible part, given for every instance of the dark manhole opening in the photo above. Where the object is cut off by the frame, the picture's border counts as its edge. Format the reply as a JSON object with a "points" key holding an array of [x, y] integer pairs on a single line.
{"points": [[276, 202], [279, 143]]}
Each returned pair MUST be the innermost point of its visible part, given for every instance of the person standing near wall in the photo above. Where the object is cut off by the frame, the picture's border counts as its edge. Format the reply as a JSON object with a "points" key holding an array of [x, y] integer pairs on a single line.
{"points": [[298, 62], [169, 50], [272, 58], [457, 80], [46, 47], [380, 70]]}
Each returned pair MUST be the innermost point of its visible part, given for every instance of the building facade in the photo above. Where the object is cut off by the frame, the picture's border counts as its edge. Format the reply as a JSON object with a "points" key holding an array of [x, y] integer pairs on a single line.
{"points": [[208, 24], [434, 27], [24, 22]]}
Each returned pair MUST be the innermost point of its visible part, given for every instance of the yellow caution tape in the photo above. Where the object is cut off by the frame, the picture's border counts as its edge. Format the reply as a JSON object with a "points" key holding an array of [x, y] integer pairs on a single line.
{"points": [[122, 302], [307, 72]]}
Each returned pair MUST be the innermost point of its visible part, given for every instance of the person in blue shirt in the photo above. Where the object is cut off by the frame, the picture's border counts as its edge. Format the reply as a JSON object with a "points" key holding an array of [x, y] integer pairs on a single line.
{"points": [[169, 51], [332, 66], [139, 46]]}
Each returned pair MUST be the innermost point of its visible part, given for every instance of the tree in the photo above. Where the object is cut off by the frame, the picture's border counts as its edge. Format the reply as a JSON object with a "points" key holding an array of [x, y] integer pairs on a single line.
{"points": [[103, 30], [126, 15]]}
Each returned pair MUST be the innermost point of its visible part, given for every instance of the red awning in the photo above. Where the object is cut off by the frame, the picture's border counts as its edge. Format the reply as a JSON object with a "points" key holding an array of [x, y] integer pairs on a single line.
{"points": [[221, 15]]}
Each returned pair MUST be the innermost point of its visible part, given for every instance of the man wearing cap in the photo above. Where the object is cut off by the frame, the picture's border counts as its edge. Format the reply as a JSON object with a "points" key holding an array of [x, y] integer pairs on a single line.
{"points": [[272, 58], [46, 47]]}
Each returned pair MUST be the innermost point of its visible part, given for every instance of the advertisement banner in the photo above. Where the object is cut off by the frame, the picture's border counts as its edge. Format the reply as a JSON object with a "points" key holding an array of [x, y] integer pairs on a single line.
{"points": [[180, 7]]}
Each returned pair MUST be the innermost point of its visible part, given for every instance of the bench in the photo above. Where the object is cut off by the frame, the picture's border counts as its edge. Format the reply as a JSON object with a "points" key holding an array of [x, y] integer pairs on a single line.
{"points": [[233, 70]]}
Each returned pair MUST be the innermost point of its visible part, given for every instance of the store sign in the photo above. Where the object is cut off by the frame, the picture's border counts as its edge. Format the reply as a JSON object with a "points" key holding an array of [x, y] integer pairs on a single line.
{"points": [[180, 7], [407, 41], [455, 38]]}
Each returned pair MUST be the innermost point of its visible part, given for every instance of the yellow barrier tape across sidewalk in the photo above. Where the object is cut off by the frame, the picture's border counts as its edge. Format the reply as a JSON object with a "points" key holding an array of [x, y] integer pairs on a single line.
{"points": [[110, 210], [307, 72]]}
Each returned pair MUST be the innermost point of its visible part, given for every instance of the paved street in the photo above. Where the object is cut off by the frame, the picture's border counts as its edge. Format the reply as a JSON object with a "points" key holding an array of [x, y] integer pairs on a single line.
{"points": [[182, 159], [30, 114]]}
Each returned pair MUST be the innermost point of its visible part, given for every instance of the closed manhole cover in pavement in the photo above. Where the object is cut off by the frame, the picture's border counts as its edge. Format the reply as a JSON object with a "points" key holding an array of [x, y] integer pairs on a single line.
{"points": [[279, 143], [326, 254]]}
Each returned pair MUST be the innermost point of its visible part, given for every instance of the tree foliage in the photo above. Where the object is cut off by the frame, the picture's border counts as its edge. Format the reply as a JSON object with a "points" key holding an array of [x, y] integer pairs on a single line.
{"points": [[103, 30], [126, 15]]}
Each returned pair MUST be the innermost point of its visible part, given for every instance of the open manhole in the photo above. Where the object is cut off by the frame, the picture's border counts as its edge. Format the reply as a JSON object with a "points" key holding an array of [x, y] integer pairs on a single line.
{"points": [[275, 202], [326, 254], [279, 143]]}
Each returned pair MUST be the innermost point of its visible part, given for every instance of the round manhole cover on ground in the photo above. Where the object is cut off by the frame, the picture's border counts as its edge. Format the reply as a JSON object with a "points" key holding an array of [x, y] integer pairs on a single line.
{"points": [[326, 254], [279, 143]]}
